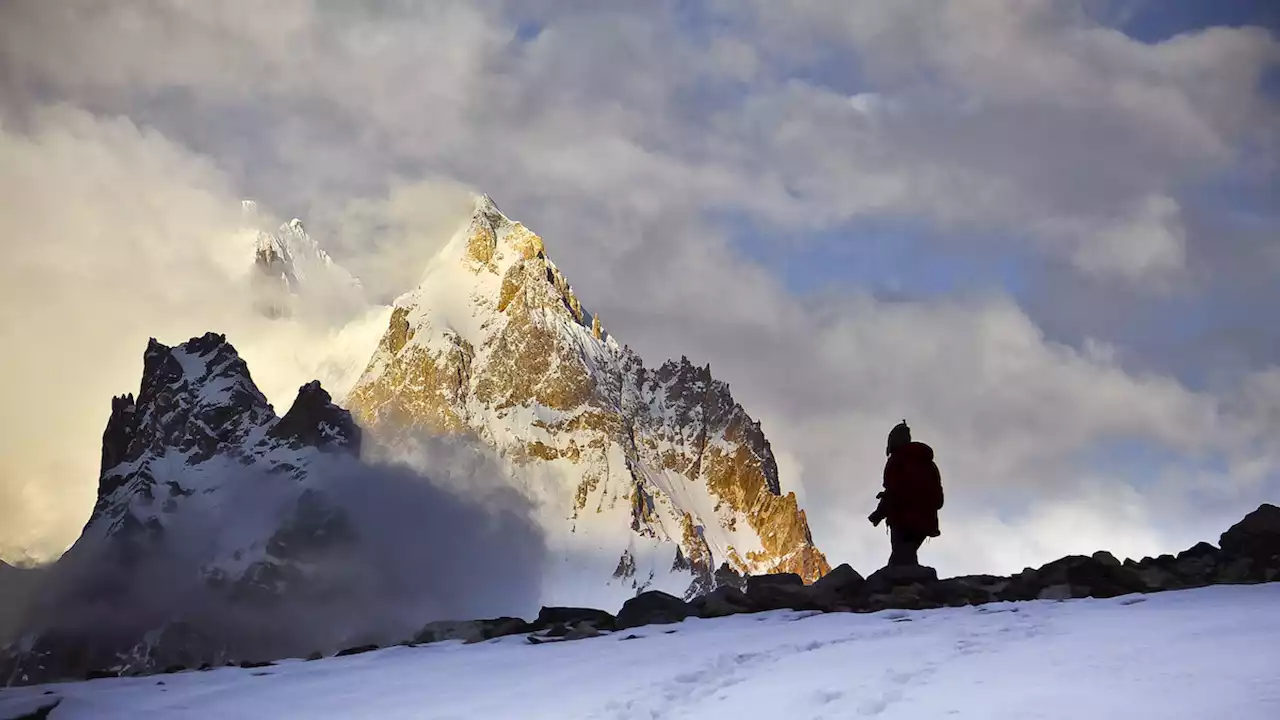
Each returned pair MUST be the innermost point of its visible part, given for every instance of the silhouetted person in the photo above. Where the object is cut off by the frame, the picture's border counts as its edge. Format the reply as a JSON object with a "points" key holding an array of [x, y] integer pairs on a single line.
{"points": [[912, 496]]}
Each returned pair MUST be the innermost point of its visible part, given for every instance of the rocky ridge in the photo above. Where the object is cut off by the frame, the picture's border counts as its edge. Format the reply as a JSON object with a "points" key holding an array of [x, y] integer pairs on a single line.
{"points": [[177, 461]]}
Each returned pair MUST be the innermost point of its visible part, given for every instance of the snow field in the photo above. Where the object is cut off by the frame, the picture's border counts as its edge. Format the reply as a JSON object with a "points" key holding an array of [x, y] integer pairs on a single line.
{"points": [[1206, 653]]}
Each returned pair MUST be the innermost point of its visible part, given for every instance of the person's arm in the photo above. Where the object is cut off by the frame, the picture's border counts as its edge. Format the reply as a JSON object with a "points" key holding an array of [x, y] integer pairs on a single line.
{"points": [[887, 497]]}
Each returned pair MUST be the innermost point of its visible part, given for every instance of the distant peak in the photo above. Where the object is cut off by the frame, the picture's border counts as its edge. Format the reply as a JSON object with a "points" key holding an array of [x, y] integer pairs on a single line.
{"points": [[296, 226], [248, 210]]}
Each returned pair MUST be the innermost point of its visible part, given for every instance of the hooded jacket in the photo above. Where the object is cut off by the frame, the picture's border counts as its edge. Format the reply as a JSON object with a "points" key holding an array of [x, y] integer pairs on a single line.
{"points": [[912, 490]]}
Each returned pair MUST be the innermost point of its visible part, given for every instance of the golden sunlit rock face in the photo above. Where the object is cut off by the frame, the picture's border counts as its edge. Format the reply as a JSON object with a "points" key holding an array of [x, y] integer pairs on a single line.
{"points": [[496, 344]]}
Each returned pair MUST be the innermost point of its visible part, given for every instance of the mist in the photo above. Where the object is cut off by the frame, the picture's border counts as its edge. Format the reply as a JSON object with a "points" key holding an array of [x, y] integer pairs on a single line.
{"points": [[113, 234], [398, 549]]}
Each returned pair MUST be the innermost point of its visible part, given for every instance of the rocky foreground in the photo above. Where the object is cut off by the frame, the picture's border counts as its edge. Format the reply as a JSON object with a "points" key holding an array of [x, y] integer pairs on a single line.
{"points": [[1247, 553]]}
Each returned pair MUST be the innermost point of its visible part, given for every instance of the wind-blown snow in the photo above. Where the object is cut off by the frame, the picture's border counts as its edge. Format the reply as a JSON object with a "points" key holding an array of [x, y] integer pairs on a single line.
{"points": [[1212, 652]]}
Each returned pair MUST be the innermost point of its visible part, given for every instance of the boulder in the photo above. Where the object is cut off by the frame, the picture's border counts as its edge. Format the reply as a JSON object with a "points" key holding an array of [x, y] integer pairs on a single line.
{"points": [[724, 600], [1257, 535], [549, 616], [471, 631], [966, 590], [1061, 591], [726, 575], [1088, 577], [786, 597], [1196, 566], [842, 584], [890, 576], [652, 608], [1239, 570], [581, 631], [1025, 585], [1106, 558], [755, 583], [356, 650]]}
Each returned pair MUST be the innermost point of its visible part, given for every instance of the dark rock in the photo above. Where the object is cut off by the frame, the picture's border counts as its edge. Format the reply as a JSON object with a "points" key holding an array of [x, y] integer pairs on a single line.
{"points": [[1022, 586], [913, 596], [118, 436], [174, 669], [1199, 550], [784, 596], [39, 713], [1106, 558], [1155, 575], [758, 582], [549, 616], [317, 655], [558, 630], [652, 608], [1195, 566], [1256, 536], [966, 590], [356, 650], [256, 663], [471, 631], [1086, 577], [314, 421], [99, 674], [886, 578], [841, 584], [724, 600], [726, 575], [582, 631], [1239, 570]]}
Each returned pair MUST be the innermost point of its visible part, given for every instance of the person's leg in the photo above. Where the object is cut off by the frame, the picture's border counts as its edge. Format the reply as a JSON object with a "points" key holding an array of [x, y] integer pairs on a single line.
{"points": [[911, 549], [899, 544], [905, 547]]}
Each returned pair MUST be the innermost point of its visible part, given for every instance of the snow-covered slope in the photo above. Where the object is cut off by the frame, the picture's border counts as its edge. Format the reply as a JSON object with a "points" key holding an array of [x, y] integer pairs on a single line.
{"points": [[1190, 655], [647, 478]]}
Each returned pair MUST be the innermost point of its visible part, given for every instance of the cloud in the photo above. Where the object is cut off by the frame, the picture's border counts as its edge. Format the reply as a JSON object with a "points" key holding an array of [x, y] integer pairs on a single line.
{"points": [[411, 548], [114, 234], [626, 135]]}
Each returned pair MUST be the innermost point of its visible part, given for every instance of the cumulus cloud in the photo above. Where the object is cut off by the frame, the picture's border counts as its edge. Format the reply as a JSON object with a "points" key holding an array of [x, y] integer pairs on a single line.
{"points": [[114, 234], [626, 135]]}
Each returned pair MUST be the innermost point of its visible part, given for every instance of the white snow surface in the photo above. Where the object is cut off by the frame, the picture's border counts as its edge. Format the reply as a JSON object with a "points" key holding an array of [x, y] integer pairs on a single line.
{"points": [[1194, 654]]}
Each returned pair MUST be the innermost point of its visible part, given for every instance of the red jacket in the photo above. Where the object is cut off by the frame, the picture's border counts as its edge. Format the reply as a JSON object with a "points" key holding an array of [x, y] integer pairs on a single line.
{"points": [[912, 490]]}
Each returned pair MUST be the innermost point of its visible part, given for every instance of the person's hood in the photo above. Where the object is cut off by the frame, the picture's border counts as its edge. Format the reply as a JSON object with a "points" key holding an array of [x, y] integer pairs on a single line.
{"points": [[916, 450]]}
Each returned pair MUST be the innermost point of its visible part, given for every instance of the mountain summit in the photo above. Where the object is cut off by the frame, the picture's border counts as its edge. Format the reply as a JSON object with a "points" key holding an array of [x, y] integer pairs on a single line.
{"points": [[658, 471]]}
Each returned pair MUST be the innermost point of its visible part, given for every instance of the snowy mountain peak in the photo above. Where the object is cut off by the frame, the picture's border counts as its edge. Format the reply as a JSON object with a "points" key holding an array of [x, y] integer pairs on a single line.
{"points": [[197, 423], [485, 206], [660, 467], [291, 271]]}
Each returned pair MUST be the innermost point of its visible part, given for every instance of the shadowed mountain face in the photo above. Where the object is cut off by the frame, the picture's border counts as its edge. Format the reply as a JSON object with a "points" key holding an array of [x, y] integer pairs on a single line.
{"points": [[222, 531], [659, 467]]}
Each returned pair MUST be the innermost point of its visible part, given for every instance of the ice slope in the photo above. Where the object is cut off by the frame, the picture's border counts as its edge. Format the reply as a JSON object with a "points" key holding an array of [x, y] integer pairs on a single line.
{"points": [[1194, 654]]}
